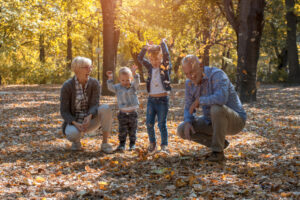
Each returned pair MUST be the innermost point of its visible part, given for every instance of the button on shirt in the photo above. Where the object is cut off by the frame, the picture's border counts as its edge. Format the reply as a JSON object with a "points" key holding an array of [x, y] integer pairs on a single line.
{"points": [[81, 101]]}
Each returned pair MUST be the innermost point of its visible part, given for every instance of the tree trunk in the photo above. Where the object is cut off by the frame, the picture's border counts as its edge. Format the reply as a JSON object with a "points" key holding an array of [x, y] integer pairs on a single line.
{"points": [[248, 26], [176, 69], [224, 63], [293, 62], [109, 43], [69, 44], [42, 48]]}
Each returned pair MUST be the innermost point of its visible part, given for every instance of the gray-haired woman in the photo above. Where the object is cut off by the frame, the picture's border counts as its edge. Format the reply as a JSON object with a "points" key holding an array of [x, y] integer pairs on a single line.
{"points": [[79, 106]]}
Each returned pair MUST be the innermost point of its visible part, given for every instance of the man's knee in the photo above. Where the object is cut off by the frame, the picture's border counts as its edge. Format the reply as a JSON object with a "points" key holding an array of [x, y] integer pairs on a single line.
{"points": [[180, 130], [216, 110]]}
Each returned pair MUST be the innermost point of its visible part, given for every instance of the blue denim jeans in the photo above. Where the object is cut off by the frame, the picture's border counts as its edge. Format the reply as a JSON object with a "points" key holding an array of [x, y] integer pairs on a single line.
{"points": [[157, 106]]}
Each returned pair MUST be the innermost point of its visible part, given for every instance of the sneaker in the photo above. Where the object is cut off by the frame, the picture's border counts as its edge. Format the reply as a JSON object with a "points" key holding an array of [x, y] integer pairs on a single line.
{"points": [[216, 157], [132, 147], [226, 144], [120, 148], [106, 148], [76, 146], [164, 148], [152, 148]]}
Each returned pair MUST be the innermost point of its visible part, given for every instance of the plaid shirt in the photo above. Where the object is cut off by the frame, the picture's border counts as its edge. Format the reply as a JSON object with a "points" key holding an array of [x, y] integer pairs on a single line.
{"points": [[81, 101]]}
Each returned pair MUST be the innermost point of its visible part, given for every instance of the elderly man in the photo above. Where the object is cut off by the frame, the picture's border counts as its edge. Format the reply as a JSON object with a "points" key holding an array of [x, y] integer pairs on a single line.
{"points": [[210, 88], [79, 106]]}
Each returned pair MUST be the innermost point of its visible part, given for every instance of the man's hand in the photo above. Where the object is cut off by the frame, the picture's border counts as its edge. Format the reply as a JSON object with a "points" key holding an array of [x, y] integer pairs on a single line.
{"points": [[109, 74], [86, 122], [164, 40], [133, 69], [194, 106], [188, 128]]}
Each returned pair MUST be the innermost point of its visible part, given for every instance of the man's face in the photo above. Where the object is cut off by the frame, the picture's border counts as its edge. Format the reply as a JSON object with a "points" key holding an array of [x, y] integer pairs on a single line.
{"points": [[193, 73], [83, 72], [125, 80]]}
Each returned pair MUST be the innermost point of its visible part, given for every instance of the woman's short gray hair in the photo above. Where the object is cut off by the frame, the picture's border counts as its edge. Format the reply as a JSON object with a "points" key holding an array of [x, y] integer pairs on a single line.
{"points": [[80, 62]]}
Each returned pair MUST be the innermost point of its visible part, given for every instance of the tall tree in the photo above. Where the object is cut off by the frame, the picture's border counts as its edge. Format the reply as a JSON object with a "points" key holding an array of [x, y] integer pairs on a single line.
{"points": [[110, 40], [246, 18], [293, 61]]}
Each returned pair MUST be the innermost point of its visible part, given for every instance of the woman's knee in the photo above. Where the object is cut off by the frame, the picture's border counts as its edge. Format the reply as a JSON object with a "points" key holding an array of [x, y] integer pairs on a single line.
{"points": [[72, 133], [104, 110]]}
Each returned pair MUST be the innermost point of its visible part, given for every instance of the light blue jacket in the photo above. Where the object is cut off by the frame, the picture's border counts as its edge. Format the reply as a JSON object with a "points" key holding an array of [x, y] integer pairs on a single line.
{"points": [[126, 97], [215, 89]]}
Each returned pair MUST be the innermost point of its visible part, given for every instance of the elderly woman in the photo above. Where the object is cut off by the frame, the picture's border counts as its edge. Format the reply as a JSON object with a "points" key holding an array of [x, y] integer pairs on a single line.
{"points": [[79, 106]]}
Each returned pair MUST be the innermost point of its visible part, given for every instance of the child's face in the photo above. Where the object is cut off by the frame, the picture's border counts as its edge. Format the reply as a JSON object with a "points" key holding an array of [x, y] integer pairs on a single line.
{"points": [[125, 80], [155, 60]]}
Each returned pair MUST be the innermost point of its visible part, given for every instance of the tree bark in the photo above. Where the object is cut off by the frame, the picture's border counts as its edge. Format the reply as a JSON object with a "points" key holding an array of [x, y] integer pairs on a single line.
{"points": [[110, 41], [69, 44], [293, 62], [42, 48], [248, 25]]}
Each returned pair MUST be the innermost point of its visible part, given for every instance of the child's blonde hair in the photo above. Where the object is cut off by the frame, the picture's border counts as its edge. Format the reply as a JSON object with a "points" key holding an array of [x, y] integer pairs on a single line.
{"points": [[125, 71], [154, 50]]}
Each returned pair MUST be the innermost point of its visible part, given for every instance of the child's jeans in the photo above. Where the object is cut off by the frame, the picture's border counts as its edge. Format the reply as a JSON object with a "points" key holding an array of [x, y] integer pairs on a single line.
{"points": [[127, 126], [157, 106]]}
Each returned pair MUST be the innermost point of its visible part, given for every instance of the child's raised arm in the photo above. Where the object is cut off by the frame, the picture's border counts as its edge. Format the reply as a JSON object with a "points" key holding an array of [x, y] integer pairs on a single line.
{"points": [[136, 77], [141, 56], [166, 54], [110, 82]]}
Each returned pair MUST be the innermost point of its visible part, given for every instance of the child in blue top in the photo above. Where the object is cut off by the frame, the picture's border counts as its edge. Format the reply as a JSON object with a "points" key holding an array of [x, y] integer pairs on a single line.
{"points": [[158, 87], [128, 104]]}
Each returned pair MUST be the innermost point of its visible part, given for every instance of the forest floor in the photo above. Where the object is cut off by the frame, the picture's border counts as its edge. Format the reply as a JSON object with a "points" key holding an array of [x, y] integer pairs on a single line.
{"points": [[263, 161]]}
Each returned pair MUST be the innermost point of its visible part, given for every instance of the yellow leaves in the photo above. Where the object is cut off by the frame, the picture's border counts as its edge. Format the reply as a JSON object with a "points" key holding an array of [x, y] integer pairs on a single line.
{"points": [[192, 180], [182, 55], [40, 179], [164, 68], [180, 183], [285, 194], [89, 170], [103, 185]]}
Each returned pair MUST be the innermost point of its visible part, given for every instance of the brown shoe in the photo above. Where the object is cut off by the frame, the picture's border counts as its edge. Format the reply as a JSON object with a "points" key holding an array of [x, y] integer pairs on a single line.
{"points": [[226, 144], [152, 148], [216, 157]]}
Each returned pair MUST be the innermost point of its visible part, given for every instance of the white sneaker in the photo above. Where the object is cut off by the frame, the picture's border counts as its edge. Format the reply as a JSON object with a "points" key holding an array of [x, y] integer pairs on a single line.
{"points": [[106, 148], [76, 146]]}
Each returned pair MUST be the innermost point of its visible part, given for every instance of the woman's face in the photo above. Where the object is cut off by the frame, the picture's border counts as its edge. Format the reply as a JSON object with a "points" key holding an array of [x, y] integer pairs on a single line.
{"points": [[83, 73]]}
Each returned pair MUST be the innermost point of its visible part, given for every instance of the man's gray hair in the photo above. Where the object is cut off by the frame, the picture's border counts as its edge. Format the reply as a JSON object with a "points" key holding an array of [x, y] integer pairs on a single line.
{"points": [[191, 60], [80, 62]]}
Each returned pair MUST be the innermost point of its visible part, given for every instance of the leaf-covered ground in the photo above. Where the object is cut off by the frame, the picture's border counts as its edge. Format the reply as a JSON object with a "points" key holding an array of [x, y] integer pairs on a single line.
{"points": [[263, 161]]}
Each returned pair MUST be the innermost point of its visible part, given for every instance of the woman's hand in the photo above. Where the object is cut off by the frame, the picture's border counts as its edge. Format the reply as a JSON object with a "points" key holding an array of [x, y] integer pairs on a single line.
{"points": [[78, 126], [86, 122], [133, 69], [109, 74]]}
